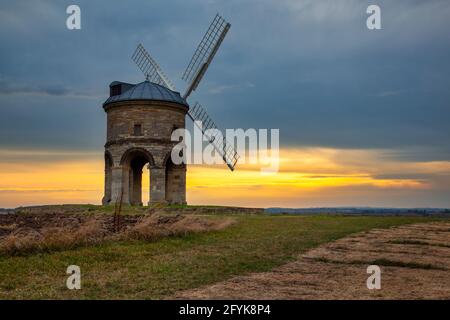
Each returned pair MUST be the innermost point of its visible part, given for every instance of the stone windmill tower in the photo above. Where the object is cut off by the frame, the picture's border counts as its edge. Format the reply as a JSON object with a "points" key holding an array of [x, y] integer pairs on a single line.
{"points": [[140, 121]]}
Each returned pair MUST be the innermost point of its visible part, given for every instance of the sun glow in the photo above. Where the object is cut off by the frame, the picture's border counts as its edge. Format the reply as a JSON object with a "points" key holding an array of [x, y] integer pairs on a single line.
{"points": [[308, 176]]}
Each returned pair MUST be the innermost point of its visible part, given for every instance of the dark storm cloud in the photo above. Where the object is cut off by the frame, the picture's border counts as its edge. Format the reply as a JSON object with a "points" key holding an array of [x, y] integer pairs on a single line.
{"points": [[310, 68], [52, 91]]}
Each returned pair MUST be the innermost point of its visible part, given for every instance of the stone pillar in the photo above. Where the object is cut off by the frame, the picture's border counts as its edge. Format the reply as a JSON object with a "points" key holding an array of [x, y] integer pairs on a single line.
{"points": [[120, 184], [157, 185], [108, 181], [131, 185], [182, 182], [126, 185], [176, 184]]}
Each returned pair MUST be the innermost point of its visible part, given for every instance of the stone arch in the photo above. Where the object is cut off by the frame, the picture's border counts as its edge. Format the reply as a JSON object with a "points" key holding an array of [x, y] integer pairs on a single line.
{"points": [[133, 162], [132, 152], [109, 163]]}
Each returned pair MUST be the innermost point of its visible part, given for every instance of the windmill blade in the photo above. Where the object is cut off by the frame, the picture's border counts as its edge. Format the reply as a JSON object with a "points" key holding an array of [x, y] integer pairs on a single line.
{"points": [[205, 52], [225, 149], [150, 68]]}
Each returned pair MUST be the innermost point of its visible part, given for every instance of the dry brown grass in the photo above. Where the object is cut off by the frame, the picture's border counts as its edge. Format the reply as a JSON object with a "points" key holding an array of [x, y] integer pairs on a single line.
{"points": [[95, 230], [8, 227], [24, 240], [158, 226]]}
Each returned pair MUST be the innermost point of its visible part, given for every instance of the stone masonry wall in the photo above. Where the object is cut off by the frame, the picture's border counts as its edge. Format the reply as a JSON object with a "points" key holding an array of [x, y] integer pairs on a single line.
{"points": [[156, 121]]}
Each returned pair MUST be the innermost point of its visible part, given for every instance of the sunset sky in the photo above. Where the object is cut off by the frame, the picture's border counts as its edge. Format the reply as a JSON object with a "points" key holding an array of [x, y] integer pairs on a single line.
{"points": [[363, 115]]}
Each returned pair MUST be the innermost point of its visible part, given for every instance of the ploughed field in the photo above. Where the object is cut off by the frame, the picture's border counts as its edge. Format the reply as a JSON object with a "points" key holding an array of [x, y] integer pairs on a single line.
{"points": [[166, 254]]}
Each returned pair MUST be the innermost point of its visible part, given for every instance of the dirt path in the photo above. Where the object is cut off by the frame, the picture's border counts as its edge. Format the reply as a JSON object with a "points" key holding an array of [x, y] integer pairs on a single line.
{"points": [[414, 261]]}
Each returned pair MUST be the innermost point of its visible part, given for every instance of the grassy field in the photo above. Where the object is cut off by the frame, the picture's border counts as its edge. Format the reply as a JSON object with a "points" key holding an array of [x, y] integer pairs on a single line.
{"points": [[140, 270], [98, 209]]}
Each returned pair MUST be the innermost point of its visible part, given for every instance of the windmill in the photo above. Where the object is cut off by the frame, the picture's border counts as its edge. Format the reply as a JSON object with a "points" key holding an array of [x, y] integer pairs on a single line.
{"points": [[195, 71]]}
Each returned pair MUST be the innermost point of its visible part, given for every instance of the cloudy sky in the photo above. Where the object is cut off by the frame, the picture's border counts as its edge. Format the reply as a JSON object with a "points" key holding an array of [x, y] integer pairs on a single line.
{"points": [[363, 114]]}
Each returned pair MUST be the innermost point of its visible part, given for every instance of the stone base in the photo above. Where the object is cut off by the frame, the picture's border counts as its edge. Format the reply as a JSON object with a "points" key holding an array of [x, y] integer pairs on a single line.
{"points": [[161, 202]]}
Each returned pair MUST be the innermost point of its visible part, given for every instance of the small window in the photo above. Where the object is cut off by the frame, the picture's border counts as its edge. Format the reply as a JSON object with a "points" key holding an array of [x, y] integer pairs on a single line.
{"points": [[137, 130]]}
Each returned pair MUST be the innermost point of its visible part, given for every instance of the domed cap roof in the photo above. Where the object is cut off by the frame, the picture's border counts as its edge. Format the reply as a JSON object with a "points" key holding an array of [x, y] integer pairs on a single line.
{"points": [[146, 90]]}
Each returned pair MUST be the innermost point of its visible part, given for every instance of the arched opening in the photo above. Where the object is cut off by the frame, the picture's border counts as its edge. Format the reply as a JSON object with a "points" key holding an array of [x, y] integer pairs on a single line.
{"points": [[146, 184], [108, 178], [135, 164]]}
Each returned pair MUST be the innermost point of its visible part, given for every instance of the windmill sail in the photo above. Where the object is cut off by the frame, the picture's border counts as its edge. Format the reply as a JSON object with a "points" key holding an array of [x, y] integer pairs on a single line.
{"points": [[150, 68], [194, 72], [225, 149], [205, 52]]}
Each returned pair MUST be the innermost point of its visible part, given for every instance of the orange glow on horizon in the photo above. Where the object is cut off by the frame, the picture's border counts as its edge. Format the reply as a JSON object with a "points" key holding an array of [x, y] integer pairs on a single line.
{"points": [[306, 176]]}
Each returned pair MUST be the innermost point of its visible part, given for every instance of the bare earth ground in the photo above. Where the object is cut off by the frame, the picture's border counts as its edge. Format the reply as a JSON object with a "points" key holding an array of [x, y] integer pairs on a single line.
{"points": [[12, 222], [414, 260]]}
